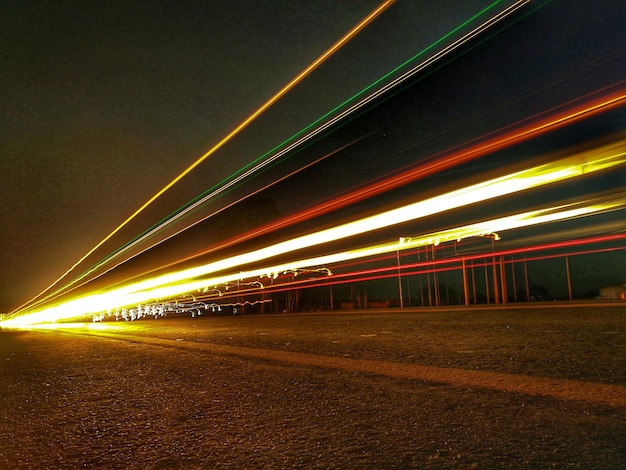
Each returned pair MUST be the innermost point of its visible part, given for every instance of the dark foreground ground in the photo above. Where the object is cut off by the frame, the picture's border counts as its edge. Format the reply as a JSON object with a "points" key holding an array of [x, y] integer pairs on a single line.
{"points": [[516, 388]]}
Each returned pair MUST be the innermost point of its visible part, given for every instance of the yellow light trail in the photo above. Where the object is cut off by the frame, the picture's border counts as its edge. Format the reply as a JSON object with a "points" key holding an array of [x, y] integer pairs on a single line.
{"points": [[175, 283], [526, 179], [110, 301], [525, 219], [284, 90]]}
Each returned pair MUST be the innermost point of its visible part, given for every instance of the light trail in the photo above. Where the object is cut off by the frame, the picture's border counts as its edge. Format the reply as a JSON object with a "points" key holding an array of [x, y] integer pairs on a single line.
{"points": [[337, 268], [306, 134], [430, 264], [425, 267], [526, 219], [434, 165], [284, 90], [175, 283], [125, 297], [310, 131], [458, 258], [585, 163]]}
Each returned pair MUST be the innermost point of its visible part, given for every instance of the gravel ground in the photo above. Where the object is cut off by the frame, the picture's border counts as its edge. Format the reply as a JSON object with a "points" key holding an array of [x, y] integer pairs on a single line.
{"points": [[221, 392]]}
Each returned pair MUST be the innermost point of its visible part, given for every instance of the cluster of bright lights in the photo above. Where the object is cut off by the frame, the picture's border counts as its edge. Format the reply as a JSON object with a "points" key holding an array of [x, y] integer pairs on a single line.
{"points": [[174, 284], [157, 310]]}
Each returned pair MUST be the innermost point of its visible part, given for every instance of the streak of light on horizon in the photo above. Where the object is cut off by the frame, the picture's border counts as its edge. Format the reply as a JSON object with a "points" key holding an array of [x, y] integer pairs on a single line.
{"points": [[172, 284], [422, 267], [125, 297]]}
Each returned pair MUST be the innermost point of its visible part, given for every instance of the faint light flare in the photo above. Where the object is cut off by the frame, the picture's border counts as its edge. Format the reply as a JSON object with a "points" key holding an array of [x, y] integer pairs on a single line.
{"points": [[353, 32]]}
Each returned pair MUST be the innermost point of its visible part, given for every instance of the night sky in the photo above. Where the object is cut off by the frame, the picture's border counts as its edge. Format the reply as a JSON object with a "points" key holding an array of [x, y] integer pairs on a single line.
{"points": [[103, 103]]}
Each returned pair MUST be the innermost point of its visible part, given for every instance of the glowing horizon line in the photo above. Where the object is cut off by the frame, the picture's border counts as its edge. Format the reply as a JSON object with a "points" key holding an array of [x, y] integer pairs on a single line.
{"points": [[110, 301]]}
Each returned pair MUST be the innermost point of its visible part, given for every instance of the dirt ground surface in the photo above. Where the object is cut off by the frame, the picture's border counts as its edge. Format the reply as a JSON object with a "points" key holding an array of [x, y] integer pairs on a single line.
{"points": [[541, 387]]}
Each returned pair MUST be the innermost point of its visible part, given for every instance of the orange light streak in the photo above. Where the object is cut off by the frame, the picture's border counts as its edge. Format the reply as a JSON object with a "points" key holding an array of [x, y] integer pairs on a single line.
{"points": [[301, 76]]}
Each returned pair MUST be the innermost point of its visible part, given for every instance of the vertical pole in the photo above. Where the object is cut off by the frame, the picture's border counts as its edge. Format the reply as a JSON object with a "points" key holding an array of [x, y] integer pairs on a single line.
{"points": [[399, 280], [473, 282], [569, 280], [487, 283], [420, 280], [408, 290], [274, 297], [332, 307], [495, 273], [465, 287], [430, 295], [503, 281], [435, 280], [513, 277], [526, 282]]}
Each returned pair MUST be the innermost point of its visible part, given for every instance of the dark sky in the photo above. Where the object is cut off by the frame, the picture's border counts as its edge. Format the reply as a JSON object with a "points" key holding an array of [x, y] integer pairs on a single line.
{"points": [[103, 103]]}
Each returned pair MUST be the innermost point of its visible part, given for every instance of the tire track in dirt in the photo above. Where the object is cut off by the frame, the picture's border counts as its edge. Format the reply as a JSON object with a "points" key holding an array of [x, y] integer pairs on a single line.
{"points": [[596, 393]]}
